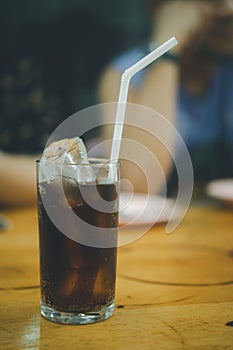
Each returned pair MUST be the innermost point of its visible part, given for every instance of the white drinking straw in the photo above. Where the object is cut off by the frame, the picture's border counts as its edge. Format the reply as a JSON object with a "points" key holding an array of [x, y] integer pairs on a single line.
{"points": [[123, 94]]}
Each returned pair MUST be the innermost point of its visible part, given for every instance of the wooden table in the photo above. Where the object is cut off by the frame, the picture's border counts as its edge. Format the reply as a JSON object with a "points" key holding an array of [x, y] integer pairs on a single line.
{"points": [[173, 291]]}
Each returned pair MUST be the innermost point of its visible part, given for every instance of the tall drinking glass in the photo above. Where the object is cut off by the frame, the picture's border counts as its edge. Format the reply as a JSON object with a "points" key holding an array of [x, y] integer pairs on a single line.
{"points": [[78, 225]]}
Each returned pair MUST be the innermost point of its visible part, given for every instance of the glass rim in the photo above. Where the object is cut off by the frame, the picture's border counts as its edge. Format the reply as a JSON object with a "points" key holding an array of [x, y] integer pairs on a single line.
{"points": [[93, 161]]}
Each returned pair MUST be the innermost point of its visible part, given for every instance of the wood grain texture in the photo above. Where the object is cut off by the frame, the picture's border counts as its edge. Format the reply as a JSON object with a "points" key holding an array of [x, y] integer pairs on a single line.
{"points": [[173, 291]]}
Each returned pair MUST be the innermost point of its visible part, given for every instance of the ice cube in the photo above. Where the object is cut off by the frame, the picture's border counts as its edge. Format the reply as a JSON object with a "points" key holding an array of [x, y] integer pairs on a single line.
{"points": [[104, 286], [86, 175], [65, 151], [70, 151]]}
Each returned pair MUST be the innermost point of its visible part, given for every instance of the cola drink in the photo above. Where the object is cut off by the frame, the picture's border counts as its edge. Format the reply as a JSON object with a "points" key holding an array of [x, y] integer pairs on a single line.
{"points": [[78, 255]]}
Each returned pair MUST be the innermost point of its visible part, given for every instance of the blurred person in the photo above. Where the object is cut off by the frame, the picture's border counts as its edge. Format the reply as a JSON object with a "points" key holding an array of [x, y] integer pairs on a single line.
{"points": [[192, 87]]}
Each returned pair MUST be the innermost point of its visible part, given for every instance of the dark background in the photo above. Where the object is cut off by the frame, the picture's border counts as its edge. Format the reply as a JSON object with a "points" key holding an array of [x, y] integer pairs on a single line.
{"points": [[52, 53], [73, 39]]}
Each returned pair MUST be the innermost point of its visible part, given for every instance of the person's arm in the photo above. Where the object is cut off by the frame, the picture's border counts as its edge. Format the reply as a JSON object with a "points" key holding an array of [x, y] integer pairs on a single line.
{"points": [[17, 179]]}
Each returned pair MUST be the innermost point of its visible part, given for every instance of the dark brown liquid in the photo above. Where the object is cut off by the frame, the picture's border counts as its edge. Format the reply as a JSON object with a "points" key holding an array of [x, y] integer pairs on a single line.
{"points": [[76, 277]]}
